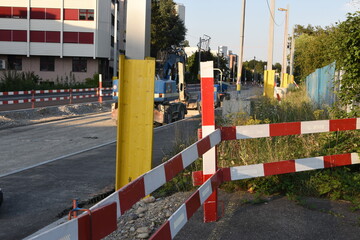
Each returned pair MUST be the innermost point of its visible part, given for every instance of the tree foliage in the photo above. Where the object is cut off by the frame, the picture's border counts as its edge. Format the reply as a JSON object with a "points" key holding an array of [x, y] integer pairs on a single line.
{"points": [[317, 47], [347, 49], [166, 27]]}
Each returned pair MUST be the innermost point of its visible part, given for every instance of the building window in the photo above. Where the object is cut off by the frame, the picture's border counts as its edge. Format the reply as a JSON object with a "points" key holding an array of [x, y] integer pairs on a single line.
{"points": [[19, 35], [79, 64], [86, 14], [47, 64], [15, 63], [37, 36], [112, 41], [71, 14], [5, 35], [19, 12], [86, 37], [37, 13], [13, 12], [71, 37], [112, 20], [53, 14], [52, 37]]}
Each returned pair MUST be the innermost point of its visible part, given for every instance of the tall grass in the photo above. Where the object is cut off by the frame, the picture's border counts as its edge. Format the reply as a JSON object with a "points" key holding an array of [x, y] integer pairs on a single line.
{"points": [[339, 183]]}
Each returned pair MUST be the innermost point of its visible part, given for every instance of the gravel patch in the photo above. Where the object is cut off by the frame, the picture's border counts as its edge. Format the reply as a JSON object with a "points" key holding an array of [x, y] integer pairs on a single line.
{"points": [[10, 119], [146, 216]]}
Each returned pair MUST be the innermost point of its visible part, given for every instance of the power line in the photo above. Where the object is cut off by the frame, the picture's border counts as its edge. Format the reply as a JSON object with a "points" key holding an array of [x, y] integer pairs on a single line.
{"points": [[267, 1]]}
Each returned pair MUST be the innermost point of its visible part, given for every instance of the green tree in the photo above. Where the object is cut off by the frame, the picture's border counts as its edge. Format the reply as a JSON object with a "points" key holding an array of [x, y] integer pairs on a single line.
{"points": [[166, 27], [347, 52], [313, 49]]}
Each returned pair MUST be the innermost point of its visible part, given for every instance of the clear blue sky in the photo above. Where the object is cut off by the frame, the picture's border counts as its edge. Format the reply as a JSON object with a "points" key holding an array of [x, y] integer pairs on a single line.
{"points": [[221, 21]]}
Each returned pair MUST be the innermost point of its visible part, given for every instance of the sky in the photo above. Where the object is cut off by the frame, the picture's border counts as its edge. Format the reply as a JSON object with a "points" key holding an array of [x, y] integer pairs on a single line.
{"points": [[221, 21]]}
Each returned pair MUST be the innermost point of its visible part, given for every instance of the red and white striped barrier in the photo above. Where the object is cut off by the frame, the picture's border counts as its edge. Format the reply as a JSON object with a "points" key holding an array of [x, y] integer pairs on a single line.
{"points": [[289, 166], [97, 225], [176, 221], [45, 99], [144, 185], [208, 126], [290, 128]]}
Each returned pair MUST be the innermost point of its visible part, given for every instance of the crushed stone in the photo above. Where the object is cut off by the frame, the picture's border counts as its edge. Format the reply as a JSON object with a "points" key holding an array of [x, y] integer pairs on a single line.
{"points": [[17, 118]]}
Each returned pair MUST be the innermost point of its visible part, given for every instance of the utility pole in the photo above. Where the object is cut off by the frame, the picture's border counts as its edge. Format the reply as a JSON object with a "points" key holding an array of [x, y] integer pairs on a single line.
{"points": [[292, 53], [138, 20], [241, 54], [271, 36], [284, 62], [254, 69], [115, 40]]}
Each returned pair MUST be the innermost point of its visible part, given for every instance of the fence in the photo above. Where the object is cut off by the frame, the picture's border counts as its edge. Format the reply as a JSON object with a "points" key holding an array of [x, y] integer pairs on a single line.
{"points": [[101, 220], [320, 85], [33, 96]]}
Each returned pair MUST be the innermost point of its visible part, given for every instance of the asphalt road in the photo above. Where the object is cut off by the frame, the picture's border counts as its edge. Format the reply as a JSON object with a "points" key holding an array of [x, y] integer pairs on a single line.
{"points": [[276, 218], [45, 191]]}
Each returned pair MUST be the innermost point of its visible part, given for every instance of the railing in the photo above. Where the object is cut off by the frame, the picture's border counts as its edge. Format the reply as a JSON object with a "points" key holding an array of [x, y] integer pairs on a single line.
{"points": [[34, 96]]}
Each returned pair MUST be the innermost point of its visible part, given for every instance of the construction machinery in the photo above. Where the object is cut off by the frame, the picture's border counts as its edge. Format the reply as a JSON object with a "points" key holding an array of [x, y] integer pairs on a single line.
{"points": [[170, 98]]}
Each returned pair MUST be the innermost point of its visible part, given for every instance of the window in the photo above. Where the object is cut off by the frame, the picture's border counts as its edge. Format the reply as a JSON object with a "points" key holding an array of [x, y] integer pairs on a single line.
{"points": [[52, 37], [86, 14], [13, 35], [5, 12], [71, 37], [15, 63], [112, 41], [13, 12], [5, 35], [86, 37], [19, 12], [71, 14], [47, 64], [79, 64], [79, 37], [53, 14], [37, 13], [37, 36], [19, 35], [112, 19]]}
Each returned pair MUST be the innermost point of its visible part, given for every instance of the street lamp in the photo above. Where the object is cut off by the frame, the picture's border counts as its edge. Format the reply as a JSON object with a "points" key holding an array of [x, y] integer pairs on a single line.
{"points": [[284, 63]]}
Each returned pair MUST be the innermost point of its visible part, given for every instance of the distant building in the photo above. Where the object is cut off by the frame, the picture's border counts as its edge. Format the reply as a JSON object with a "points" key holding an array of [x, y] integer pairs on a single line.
{"points": [[223, 50], [180, 9], [58, 38]]}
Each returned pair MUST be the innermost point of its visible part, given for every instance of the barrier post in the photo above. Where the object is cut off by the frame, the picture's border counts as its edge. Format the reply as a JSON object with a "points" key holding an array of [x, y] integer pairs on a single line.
{"points": [[32, 98], [269, 83], [70, 97], [100, 88], [135, 119], [208, 126]]}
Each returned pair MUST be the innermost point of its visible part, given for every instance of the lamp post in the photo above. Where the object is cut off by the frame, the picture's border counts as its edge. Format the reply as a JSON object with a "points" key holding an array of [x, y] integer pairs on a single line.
{"points": [[241, 52], [284, 63]]}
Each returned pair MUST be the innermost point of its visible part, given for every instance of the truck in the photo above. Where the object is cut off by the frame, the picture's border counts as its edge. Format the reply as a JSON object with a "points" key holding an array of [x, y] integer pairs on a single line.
{"points": [[171, 100]]}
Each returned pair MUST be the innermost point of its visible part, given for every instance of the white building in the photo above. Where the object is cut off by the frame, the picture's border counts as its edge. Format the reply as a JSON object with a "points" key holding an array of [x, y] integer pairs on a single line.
{"points": [[56, 38], [180, 9]]}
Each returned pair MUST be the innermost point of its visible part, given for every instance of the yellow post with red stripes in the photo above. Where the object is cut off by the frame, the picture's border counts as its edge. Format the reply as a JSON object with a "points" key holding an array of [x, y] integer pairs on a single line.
{"points": [[135, 119]]}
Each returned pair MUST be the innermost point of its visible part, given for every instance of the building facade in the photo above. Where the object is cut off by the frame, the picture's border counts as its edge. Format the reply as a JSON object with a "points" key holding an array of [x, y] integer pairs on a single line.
{"points": [[60, 38]]}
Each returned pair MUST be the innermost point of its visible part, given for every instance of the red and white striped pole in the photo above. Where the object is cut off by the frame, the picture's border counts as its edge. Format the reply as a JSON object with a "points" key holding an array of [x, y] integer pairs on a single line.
{"points": [[208, 126], [32, 98], [100, 88]]}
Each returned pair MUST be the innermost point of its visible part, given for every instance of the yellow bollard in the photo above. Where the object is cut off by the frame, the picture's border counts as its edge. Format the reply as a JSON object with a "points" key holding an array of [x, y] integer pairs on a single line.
{"points": [[135, 120], [269, 83]]}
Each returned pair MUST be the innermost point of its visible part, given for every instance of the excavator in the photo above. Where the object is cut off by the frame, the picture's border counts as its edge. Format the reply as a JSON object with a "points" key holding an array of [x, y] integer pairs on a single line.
{"points": [[171, 101]]}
